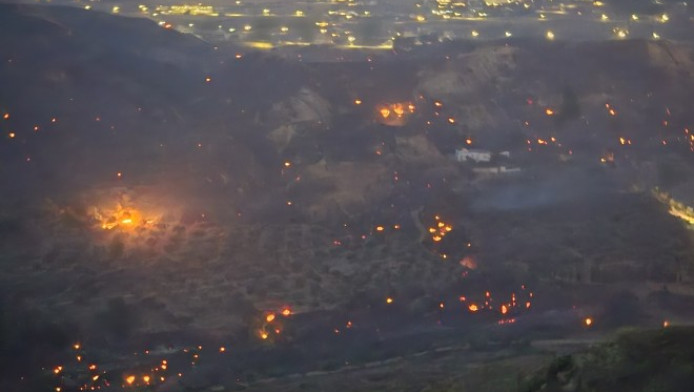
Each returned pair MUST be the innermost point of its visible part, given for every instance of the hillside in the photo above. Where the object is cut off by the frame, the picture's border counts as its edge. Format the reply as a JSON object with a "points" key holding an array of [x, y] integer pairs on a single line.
{"points": [[163, 192]]}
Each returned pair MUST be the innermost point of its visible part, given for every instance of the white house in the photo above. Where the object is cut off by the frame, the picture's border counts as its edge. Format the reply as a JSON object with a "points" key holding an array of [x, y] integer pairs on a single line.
{"points": [[463, 155]]}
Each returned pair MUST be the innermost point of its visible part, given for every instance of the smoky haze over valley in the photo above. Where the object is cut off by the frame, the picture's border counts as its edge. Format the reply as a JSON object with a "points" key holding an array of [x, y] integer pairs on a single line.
{"points": [[491, 197]]}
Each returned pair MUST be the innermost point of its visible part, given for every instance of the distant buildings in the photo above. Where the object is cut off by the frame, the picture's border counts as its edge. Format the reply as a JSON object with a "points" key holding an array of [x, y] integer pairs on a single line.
{"points": [[485, 156], [496, 170]]}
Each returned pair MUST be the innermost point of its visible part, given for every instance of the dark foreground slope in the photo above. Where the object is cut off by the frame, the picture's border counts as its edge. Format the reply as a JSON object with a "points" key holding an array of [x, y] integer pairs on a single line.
{"points": [[655, 360]]}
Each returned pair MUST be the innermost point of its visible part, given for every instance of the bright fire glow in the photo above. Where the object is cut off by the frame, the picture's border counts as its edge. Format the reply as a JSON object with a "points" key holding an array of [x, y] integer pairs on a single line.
{"points": [[395, 113], [120, 217]]}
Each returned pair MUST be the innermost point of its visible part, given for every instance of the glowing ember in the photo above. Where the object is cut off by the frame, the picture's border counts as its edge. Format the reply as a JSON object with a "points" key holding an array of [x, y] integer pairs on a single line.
{"points": [[270, 317], [286, 312], [130, 380], [468, 262], [504, 309], [146, 379], [389, 300], [549, 112], [588, 321], [473, 308], [263, 335], [666, 324]]}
